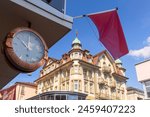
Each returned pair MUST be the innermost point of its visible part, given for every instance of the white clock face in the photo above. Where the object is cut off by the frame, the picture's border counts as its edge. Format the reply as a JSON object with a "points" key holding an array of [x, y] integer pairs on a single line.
{"points": [[28, 47]]}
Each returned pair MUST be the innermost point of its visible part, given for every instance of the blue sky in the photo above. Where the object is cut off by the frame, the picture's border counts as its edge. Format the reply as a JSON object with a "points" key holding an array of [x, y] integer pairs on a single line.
{"points": [[135, 19]]}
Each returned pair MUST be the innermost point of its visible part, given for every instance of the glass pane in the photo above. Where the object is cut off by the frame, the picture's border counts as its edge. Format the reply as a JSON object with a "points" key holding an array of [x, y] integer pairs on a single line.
{"points": [[57, 97], [148, 89], [63, 97], [147, 83], [72, 97], [148, 94], [57, 4]]}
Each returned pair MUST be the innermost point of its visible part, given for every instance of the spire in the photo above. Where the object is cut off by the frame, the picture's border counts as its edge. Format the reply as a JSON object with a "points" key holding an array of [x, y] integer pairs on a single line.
{"points": [[76, 44], [76, 33]]}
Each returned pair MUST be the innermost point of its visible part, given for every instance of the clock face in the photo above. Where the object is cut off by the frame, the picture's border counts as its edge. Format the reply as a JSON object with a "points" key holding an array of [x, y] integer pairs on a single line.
{"points": [[28, 46]]}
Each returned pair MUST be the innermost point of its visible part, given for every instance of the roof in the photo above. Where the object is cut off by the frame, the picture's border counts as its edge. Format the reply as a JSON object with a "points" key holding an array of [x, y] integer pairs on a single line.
{"points": [[135, 89], [24, 83], [142, 62], [118, 61], [96, 57], [27, 83], [120, 76], [76, 41], [49, 58]]}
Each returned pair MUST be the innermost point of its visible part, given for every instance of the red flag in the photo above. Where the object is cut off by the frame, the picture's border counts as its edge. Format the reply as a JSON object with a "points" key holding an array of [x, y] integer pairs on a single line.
{"points": [[9, 93], [111, 33]]}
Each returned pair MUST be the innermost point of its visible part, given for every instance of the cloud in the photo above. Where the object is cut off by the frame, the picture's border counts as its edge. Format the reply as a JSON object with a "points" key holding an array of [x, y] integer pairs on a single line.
{"points": [[148, 40], [143, 52]]}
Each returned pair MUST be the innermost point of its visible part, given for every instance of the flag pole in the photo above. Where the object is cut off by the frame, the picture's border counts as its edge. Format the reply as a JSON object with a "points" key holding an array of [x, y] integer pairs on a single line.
{"points": [[81, 16]]}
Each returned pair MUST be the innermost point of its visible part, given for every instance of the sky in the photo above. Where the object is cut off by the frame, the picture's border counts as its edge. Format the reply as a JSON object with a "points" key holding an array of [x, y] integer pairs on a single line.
{"points": [[135, 19]]}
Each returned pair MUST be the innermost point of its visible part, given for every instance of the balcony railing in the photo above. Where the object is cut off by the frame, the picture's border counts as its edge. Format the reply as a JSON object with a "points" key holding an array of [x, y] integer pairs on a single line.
{"points": [[106, 69]]}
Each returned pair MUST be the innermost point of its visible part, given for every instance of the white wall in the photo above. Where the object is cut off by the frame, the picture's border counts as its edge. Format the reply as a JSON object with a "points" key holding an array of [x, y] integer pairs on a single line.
{"points": [[143, 71]]}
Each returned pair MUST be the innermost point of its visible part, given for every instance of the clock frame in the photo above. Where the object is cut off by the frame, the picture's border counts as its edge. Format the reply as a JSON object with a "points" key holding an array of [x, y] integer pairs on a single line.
{"points": [[15, 60]]}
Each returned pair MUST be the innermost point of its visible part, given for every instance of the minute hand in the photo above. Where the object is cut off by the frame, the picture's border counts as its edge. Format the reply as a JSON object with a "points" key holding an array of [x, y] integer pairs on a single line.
{"points": [[23, 43]]}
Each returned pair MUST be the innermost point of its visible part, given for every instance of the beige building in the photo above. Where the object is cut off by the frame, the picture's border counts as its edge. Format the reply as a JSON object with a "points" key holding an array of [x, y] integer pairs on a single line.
{"points": [[19, 91], [97, 77], [134, 94]]}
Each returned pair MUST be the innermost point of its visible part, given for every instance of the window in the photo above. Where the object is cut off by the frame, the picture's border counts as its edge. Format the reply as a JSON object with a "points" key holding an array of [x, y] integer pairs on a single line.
{"points": [[90, 60], [99, 73], [22, 90], [75, 85], [85, 73], [57, 4], [50, 97], [76, 55], [63, 86], [39, 85], [57, 97], [91, 88], [86, 86], [67, 86], [147, 85], [90, 74], [60, 97], [55, 88]]}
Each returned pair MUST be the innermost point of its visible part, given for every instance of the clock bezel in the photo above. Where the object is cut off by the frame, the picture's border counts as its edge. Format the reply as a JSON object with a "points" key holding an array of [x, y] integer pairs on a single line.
{"points": [[15, 60]]}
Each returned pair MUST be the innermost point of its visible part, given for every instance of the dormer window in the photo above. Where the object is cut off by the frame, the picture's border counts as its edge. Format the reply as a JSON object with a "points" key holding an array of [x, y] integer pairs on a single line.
{"points": [[104, 63], [103, 57]]}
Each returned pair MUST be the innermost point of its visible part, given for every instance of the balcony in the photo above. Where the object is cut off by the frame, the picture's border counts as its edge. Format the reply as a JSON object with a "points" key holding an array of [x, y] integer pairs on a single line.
{"points": [[104, 96], [106, 69], [121, 88], [91, 79], [101, 81], [112, 84], [64, 79]]}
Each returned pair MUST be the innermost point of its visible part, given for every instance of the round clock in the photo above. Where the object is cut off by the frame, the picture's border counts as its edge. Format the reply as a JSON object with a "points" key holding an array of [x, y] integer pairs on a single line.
{"points": [[25, 49]]}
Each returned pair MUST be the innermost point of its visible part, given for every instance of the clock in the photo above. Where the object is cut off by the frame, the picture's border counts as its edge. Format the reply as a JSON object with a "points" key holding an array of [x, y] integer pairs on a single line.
{"points": [[25, 49]]}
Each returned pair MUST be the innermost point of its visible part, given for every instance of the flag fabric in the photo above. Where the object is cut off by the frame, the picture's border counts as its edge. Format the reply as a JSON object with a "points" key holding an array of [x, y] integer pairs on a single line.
{"points": [[111, 33], [9, 93]]}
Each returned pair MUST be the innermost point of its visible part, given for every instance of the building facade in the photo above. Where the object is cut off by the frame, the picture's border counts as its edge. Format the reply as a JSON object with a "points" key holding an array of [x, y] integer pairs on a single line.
{"points": [[143, 75], [134, 94], [97, 77], [18, 91]]}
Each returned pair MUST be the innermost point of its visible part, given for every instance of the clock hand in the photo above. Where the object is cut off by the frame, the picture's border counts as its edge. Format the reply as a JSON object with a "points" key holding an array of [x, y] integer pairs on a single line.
{"points": [[29, 42], [23, 42]]}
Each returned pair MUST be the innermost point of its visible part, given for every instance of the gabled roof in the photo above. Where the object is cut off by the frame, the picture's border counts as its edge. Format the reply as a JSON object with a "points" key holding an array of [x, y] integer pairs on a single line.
{"points": [[49, 58], [96, 57]]}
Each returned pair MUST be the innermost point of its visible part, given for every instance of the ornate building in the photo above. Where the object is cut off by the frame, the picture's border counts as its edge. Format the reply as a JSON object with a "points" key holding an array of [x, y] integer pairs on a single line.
{"points": [[93, 77]]}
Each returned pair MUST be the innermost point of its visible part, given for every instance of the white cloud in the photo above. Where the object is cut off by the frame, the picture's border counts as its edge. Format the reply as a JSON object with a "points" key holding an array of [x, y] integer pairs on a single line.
{"points": [[143, 52], [148, 40]]}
